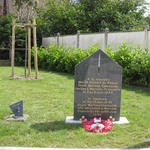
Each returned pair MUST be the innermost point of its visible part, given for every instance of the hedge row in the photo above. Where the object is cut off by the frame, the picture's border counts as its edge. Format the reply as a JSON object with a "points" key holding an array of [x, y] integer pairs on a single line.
{"points": [[61, 59], [135, 61]]}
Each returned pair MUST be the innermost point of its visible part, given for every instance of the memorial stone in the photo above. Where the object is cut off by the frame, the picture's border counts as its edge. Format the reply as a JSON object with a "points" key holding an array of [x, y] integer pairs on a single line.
{"points": [[98, 82], [17, 109]]}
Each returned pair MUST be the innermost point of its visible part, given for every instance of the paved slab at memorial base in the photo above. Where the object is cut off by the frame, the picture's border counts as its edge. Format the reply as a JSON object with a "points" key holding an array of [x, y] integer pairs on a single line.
{"points": [[13, 118], [123, 120]]}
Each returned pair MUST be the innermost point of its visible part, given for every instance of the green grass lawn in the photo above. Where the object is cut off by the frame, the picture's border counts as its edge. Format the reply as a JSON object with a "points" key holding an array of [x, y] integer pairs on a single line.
{"points": [[50, 100]]}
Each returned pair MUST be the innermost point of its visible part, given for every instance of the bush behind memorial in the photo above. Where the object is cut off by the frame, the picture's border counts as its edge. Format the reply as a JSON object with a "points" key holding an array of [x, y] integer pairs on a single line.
{"points": [[135, 61]]}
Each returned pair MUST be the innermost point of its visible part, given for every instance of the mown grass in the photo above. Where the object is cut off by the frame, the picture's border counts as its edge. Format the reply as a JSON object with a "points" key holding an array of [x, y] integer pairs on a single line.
{"points": [[50, 100]]}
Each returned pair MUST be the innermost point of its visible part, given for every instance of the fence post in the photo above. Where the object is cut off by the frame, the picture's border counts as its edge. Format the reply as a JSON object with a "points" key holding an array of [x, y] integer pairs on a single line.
{"points": [[58, 36], [146, 35], [106, 37], [78, 39]]}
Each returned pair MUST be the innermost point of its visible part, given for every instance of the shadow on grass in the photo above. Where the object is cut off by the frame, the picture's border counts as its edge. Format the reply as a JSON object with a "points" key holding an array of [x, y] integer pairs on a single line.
{"points": [[54, 126], [137, 89], [141, 145]]}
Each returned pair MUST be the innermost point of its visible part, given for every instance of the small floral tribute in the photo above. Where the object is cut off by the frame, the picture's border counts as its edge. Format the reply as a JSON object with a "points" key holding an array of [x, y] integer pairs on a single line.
{"points": [[97, 124]]}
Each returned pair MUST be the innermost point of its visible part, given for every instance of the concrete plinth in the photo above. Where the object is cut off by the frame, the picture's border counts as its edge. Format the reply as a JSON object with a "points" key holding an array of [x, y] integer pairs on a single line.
{"points": [[17, 118], [69, 119]]}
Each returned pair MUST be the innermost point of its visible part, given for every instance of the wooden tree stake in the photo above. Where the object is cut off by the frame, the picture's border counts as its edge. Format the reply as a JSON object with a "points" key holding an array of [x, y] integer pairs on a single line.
{"points": [[13, 47], [28, 44], [26, 53], [29, 51], [35, 49]]}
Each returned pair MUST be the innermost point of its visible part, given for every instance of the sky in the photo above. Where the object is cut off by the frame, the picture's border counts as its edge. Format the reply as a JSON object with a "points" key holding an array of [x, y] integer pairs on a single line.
{"points": [[148, 11]]}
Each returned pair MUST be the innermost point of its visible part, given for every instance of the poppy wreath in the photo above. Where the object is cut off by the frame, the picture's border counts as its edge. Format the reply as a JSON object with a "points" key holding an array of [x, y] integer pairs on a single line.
{"points": [[97, 125]]}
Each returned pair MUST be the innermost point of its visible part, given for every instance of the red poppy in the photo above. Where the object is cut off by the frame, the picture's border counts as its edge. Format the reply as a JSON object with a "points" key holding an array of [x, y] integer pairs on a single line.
{"points": [[102, 126]]}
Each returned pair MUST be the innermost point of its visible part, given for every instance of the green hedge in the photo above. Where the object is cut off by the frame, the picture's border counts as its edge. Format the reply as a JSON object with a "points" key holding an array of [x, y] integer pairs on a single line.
{"points": [[135, 63], [61, 59]]}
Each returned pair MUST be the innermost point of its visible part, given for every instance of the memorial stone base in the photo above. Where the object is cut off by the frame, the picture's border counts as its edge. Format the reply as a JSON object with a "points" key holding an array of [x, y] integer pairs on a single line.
{"points": [[69, 119]]}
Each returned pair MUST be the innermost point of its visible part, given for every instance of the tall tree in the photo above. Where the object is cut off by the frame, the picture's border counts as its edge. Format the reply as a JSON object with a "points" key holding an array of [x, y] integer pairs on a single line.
{"points": [[59, 16], [68, 16], [115, 14]]}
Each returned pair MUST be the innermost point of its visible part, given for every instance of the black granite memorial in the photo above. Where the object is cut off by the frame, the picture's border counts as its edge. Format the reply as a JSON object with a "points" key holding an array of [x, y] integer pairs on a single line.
{"points": [[17, 109], [98, 82]]}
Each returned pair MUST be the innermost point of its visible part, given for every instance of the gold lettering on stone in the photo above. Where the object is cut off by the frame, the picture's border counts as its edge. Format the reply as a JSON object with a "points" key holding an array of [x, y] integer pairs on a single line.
{"points": [[98, 86]]}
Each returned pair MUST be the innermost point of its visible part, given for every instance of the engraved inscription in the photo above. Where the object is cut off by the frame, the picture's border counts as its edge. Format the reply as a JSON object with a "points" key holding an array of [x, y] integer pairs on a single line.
{"points": [[98, 86]]}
